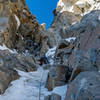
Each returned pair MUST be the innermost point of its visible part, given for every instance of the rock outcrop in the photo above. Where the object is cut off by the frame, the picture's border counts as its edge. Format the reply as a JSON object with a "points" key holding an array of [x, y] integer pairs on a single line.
{"points": [[7, 75], [58, 76], [67, 13], [19, 28], [17, 61], [53, 97], [84, 87], [21, 32]]}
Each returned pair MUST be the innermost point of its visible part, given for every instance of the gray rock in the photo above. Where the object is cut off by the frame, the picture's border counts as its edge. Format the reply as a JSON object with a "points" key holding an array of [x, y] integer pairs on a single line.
{"points": [[63, 51], [57, 30], [85, 87], [18, 61], [7, 75]]}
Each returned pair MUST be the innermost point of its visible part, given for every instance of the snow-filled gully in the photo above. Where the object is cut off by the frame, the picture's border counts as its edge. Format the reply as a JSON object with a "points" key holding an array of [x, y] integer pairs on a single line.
{"points": [[31, 86]]}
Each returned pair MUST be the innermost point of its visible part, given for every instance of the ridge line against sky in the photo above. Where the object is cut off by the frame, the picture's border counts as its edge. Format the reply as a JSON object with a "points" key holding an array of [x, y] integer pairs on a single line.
{"points": [[43, 10]]}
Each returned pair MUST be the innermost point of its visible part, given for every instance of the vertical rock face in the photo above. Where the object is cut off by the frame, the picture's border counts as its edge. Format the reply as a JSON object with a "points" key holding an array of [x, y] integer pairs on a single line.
{"points": [[19, 28], [85, 87], [67, 13]]}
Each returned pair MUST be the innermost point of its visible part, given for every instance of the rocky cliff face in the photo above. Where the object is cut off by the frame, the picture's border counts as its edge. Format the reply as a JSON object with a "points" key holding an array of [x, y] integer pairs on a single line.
{"points": [[19, 28], [22, 34], [71, 47], [67, 13]]}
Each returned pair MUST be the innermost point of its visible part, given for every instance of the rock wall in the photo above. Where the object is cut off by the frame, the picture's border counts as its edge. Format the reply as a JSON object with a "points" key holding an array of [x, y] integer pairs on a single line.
{"points": [[18, 27], [67, 13], [20, 32]]}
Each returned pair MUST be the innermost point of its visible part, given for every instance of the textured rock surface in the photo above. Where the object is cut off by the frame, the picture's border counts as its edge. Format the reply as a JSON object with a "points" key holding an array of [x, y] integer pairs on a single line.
{"points": [[58, 76], [19, 28], [67, 13], [61, 22], [6, 76], [53, 97], [78, 6], [85, 87], [18, 61]]}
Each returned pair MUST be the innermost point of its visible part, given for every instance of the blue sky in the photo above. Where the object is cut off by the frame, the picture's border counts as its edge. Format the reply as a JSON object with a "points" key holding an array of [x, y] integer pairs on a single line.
{"points": [[43, 9]]}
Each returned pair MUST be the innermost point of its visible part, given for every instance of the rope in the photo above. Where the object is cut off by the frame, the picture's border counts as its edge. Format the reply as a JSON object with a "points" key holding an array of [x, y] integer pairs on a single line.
{"points": [[40, 86]]}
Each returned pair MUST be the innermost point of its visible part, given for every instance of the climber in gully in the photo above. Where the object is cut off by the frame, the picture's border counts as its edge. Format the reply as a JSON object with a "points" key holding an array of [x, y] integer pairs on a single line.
{"points": [[43, 60]]}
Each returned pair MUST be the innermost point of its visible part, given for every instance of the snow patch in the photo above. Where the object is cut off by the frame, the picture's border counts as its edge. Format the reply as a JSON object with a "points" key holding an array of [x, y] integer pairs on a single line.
{"points": [[60, 3], [30, 86], [18, 21], [3, 47], [60, 90], [43, 24], [70, 39], [24, 10], [50, 55], [80, 3], [27, 87], [99, 18], [65, 7], [74, 23]]}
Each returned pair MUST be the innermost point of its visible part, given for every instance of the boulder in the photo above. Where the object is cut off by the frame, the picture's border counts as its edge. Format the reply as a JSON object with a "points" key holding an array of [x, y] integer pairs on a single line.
{"points": [[6, 76], [58, 76], [64, 49], [17, 61], [84, 87], [80, 7], [53, 96]]}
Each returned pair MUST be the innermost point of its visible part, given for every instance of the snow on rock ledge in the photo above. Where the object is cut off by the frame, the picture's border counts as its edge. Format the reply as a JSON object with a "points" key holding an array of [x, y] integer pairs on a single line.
{"points": [[3, 47], [81, 7], [50, 55], [64, 6], [18, 21], [70, 39]]}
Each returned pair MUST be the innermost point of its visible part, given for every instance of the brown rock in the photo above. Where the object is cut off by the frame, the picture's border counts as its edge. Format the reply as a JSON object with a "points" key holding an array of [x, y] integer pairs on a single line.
{"points": [[18, 25], [43, 27], [52, 97], [58, 76]]}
